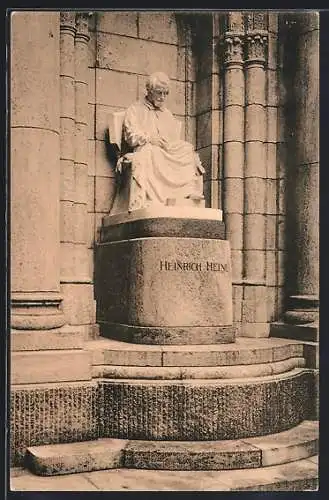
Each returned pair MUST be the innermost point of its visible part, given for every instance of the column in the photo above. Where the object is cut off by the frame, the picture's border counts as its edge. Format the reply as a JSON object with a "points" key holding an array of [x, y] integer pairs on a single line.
{"points": [[233, 139], [254, 312], [76, 278], [303, 303], [35, 171], [233, 151]]}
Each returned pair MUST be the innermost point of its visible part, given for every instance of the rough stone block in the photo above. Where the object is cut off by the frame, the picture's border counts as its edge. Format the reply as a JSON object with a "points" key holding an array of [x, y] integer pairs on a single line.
{"points": [[122, 23], [91, 86], [91, 157], [254, 263], [255, 159], [254, 309], [55, 339], [255, 194], [281, 232], [35, 168], [45, 414], [78, 219], [67, 131], [181, 294], [104, 193], [67, 180], [67, 221], [272, 51], [271, 198], [135, 55], [49, 366], [255, 123], [78, 306], [255, 330], [115, 89], [35, 69], [255, 86], [272, 123], [237, 264], [271, 267], [272, 88], [204, 130], [234, 87], [74, 265], [271, 303], [102, 120], [92, 50], [91, 194], [234, 230], [90, 221], [272, 223], [281, 268], [81, 183], [271, 153], [254, 232], [234, 123], [203, 97], [233, 195], [189, 410], [234, 159], [160, 27], [104, 165], [67, 90], [91, 121], [273, 22]]}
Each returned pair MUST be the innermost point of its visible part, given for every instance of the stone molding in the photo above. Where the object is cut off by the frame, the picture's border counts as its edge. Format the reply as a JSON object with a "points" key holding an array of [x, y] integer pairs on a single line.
{"points": [[82, 26], [67, 22]]}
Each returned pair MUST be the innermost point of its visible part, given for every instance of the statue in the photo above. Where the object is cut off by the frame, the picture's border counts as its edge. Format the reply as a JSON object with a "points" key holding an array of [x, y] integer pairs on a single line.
{"points": [[164, 168]]}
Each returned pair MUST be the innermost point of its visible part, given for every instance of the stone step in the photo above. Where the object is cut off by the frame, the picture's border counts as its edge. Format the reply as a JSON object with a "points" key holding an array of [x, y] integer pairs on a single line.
{"points": [[300, 475], [196, 372], [295, 444], [244, 351]]}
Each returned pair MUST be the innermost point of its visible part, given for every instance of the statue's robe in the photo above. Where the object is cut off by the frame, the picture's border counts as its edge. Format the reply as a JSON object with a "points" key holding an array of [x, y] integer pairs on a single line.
{"points": [[159, 174]]}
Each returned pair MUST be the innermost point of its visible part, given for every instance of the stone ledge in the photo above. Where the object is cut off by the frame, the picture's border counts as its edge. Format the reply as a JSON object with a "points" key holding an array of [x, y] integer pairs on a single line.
{"points": [[298, 443], [308, 332], [164, 227], [244, 351], [199, 372], [180, 335]]}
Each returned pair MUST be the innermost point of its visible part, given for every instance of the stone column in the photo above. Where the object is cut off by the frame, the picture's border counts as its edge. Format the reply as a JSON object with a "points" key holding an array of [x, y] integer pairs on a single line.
{"points": [[76, 269], [303, 303], [233, 139], [254, 314], [35, 171]]}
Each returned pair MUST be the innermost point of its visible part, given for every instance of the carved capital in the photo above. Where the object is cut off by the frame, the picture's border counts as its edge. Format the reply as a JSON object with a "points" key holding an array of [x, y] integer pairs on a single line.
{"points": [[82, 26], [256, 47], [232, 46], [67, 22]]}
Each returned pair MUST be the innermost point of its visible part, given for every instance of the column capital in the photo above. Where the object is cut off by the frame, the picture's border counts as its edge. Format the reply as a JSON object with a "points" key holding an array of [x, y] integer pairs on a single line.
{"points": [[67, 22], [82, 25], [232, 45], [256, 46]]}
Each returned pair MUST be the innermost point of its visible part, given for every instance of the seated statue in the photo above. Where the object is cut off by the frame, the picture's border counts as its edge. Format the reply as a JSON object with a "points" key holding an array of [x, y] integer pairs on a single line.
{"points": [[164, 168]]}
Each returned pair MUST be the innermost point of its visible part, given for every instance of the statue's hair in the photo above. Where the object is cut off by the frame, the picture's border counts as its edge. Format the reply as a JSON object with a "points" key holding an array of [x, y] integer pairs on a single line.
{"points": [[157, 79]]}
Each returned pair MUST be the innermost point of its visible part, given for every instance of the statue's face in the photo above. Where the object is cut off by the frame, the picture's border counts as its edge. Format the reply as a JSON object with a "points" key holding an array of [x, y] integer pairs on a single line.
{"points": [[158, 95]]}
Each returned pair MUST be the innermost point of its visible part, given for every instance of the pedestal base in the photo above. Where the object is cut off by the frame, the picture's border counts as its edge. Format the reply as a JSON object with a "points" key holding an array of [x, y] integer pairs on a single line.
{"points": [[169, 335]]}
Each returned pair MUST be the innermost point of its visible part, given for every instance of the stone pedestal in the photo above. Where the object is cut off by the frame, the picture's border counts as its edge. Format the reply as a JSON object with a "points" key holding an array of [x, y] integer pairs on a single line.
{"points": [[165, 279]]}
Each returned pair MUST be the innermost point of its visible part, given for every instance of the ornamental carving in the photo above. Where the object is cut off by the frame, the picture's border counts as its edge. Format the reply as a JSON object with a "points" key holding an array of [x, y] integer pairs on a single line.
{"points": [[256, 47], [82, 25], [232, 45]]}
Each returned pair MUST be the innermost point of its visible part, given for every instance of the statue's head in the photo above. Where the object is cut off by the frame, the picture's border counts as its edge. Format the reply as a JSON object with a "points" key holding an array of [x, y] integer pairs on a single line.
{"points": [[157, 88]]}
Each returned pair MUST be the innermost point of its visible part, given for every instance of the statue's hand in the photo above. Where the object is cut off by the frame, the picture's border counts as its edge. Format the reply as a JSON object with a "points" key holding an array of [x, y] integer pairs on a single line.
{"points": [[160, 142]]}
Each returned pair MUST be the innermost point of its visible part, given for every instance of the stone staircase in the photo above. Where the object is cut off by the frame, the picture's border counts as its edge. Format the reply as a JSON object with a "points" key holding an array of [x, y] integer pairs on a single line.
{"points": [[243, 410]]}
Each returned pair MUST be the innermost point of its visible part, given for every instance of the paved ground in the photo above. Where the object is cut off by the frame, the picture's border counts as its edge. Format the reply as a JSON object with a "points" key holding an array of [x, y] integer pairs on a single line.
{"points": [[301, 472]]}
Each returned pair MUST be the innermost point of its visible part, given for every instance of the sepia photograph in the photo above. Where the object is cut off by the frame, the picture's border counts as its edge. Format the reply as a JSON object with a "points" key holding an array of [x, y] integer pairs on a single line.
{"points": [[164, 250]]}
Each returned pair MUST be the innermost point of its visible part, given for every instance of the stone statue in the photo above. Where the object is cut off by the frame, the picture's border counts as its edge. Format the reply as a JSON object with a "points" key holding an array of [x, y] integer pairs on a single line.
{"points": [[164, 168]]}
